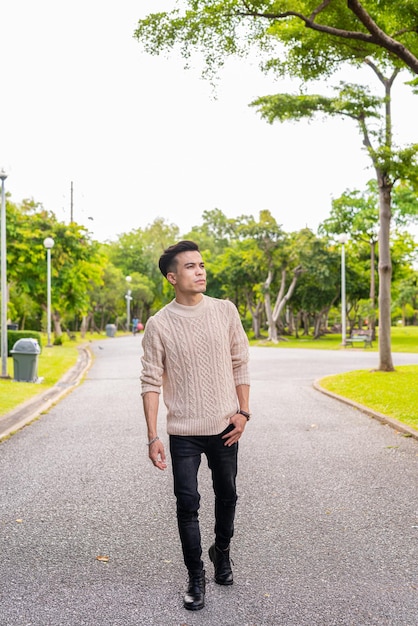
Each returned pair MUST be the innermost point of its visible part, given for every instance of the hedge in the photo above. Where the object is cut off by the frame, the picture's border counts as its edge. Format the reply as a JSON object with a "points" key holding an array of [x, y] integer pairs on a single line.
{"points": [[15, 335]]}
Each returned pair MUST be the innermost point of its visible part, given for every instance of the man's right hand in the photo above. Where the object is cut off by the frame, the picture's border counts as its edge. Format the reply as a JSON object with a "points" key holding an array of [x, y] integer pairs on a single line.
{"points": [[156, 453]]}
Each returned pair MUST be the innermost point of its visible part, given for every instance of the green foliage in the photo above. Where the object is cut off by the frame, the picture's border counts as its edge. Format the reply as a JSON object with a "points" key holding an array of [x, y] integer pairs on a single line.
{"points": [[75, 262], [53, 363], [299, 37], [215, 233], [356, 213], [352, 101], [15, 335], [319, 284], [247, 258], [138, 251]]}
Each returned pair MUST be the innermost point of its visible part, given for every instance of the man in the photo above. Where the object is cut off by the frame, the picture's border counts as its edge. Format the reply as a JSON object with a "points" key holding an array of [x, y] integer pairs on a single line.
{"points": [[196, 350]]}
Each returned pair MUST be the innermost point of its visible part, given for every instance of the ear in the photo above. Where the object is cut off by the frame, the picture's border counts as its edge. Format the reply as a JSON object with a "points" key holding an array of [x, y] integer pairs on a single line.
{"points": [[171, 277]]}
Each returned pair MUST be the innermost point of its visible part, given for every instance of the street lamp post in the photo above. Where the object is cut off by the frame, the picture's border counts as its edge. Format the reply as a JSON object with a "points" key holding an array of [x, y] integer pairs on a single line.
{"points": [[3, 264], [343, 240], [128, 298], [48, 243]]}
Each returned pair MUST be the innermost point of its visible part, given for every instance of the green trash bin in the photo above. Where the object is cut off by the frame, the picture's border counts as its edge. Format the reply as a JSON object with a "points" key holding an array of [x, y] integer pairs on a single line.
{"points": [[25, 354]]}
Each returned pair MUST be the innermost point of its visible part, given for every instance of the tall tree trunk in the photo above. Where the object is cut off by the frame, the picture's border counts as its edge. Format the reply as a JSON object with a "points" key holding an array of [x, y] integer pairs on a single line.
{"points": [[305, 320], [385, 277], [290, 322], [267, 305], [255, 315], [85, 324], [56, 318], [282, 298], [270, 322], [385, 214]]}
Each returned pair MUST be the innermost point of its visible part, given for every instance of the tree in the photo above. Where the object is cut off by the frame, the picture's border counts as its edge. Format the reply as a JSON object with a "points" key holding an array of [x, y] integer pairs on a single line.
{"points": [[390, 164], [215, 232], [357, 213], [318, 36], [238, 270], [406, 297], [76, 264], [76, 267], [143, 295], [280, 261], [139, 251], [319, 285], [313, 41]]}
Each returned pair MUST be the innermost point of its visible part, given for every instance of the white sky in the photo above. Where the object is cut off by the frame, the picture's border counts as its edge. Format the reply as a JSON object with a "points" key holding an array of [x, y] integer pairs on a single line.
{"points": [[142, 138]]}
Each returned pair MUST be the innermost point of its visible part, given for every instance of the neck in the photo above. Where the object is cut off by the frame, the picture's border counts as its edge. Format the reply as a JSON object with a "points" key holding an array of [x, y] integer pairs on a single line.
{"points": [[188, 299]]}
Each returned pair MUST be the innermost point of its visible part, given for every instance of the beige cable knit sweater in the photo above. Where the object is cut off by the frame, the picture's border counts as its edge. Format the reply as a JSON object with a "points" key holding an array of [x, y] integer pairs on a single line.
{"points": [[198, 355]]}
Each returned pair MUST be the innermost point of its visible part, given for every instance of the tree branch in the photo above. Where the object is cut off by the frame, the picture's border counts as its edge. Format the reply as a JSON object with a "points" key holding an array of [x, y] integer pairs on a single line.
{"points": [[384, 40], [375, 35], [318, 9]]}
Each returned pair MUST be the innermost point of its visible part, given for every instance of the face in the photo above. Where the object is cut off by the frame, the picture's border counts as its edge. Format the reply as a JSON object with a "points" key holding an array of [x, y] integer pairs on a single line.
{"points": [[189, 278]]}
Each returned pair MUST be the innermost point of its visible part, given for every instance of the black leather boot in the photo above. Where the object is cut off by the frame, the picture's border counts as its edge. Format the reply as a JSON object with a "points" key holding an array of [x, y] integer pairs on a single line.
{"points": [[194, 600], [220, 559]]}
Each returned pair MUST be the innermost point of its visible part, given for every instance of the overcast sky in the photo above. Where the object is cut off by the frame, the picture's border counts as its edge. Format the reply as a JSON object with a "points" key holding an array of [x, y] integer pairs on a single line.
{"points": [[141, 138]]}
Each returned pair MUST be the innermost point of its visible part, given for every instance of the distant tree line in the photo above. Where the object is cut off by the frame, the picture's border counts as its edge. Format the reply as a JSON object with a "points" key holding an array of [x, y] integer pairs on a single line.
{"points": [[282, 283]]}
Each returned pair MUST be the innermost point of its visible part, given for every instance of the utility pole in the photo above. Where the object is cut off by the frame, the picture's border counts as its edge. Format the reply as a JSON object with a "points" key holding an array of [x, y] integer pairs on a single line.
{"points": [[72, 204]]}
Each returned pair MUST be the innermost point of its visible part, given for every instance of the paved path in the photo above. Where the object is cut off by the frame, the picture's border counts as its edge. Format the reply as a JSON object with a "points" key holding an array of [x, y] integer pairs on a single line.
{"points": [[327, 522]]}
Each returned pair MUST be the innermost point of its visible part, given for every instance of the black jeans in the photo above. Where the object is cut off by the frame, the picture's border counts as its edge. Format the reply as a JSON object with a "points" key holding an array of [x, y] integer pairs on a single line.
{"points": [[186, 453]]}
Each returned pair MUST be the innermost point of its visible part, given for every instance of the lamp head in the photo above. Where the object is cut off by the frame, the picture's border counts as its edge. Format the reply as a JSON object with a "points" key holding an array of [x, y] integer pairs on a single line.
{"points": [[49, 243]]}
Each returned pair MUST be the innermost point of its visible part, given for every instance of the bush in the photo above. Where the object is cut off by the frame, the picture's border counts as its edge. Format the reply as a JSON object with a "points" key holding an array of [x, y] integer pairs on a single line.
{"points": [[15, 335]]}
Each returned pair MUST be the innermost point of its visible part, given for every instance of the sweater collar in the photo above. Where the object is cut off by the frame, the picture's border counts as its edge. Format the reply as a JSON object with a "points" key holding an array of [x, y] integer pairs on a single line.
{"points": [[188, 311]]}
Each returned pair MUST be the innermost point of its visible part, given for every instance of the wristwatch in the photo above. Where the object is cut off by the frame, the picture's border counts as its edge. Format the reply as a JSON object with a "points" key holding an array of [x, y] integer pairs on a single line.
{"points": [[245, 414]]}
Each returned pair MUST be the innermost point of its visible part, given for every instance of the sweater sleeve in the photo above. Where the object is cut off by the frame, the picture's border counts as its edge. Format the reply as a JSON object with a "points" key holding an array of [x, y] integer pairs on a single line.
{"points": [[153, 359], [239, 350]]}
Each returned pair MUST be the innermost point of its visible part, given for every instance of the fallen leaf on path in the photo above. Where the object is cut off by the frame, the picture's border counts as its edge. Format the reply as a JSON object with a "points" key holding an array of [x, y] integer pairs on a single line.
{"points": [[103, 559]]}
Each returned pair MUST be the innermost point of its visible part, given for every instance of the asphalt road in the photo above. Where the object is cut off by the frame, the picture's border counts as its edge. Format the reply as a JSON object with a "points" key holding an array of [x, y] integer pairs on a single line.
{"points": [[327, 521]]}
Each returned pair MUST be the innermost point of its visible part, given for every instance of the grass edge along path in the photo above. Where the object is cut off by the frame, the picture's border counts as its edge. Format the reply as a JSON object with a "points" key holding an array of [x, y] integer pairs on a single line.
{"points": [[392, 394], [53, 364]]}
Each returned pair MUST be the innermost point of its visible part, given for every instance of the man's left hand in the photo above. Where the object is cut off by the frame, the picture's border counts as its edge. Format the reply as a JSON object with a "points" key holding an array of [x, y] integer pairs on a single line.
{"points": [[239, 422]]}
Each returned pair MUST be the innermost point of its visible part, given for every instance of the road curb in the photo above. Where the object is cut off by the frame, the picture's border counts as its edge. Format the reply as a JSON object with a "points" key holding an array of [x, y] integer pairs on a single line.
{"points": [[384, 419], [30, 410]]}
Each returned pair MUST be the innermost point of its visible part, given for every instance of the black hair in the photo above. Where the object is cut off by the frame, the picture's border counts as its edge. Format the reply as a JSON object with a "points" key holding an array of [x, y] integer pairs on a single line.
{"points": [[167, 262]]}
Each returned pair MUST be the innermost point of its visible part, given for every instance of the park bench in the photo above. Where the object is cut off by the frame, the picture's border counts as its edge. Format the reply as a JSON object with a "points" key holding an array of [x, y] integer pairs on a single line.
{"points": [[360, 336]]}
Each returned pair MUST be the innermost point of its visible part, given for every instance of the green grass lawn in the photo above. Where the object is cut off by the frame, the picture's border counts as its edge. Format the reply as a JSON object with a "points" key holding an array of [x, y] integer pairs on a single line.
{"points": [[394, 394], [403, 340], [52, 365]]}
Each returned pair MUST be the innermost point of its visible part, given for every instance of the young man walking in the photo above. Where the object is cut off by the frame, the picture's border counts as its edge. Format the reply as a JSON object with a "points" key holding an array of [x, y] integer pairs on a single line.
{"points": [[196, 350]]}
